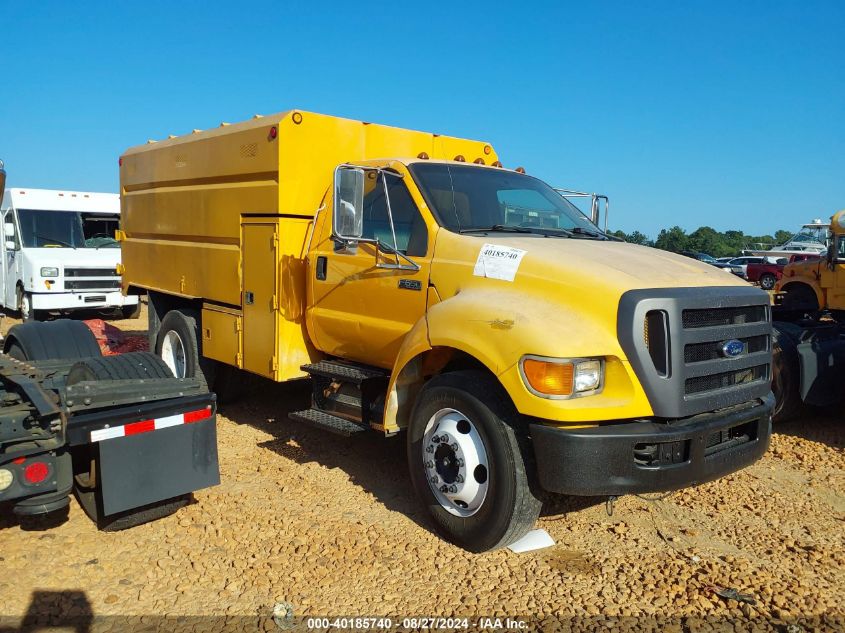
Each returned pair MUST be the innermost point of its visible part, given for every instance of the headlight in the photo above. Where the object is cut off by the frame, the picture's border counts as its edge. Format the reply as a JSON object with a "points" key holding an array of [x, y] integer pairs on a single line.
{"points": [[6, 478], [49, 272], [559, 378]]}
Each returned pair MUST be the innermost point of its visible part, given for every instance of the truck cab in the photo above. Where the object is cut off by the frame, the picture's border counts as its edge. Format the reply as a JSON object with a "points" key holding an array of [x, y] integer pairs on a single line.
{"points": [[59, 254]]}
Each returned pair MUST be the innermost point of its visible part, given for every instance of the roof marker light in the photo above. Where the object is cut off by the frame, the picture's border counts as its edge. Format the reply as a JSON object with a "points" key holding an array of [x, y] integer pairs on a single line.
{"points": [[296, 117]]}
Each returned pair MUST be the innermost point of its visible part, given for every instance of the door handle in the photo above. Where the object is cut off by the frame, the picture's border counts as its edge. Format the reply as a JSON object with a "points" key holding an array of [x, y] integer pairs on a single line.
{"points": [[322, 264], [249, 298]]}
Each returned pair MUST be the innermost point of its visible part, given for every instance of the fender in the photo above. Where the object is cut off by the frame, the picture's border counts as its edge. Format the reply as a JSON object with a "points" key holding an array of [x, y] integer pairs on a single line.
{"points": [[496, 327]]}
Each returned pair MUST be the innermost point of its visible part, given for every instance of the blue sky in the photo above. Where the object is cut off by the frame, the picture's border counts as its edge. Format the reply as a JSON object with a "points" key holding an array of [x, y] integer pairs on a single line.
{"points": [[728, 114]]}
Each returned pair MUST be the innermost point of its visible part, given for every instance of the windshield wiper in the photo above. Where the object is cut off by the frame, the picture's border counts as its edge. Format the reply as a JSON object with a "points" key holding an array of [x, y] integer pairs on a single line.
{"points": [[582, 231], [47, 238], [499, 228]]}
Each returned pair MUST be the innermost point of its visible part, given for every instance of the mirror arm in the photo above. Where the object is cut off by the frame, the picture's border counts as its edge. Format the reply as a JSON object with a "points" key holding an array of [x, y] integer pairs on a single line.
{"points": [[411, 265], [390, 217]]}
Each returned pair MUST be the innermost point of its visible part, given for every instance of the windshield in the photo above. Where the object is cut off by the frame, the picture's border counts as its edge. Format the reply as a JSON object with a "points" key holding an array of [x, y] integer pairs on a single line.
{"points": [[66, 229], [466, 198]]}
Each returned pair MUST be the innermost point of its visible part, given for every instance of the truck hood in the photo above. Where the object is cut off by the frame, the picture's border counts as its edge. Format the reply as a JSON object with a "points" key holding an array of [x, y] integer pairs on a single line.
{"points": [[70, 258], [589, 266]]}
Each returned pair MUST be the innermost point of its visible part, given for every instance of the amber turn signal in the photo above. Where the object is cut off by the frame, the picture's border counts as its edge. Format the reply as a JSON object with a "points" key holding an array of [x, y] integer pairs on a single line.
{"points": [[554, 379]]}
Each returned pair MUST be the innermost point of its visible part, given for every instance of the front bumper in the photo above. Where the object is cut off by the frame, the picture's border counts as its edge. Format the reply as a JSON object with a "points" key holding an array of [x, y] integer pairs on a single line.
{"points": [[81, 300], [648, 456]]}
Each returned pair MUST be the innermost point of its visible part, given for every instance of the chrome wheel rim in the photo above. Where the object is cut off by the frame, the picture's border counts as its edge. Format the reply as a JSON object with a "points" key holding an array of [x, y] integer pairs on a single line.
{"points": [[173, 353], [455, 462]]}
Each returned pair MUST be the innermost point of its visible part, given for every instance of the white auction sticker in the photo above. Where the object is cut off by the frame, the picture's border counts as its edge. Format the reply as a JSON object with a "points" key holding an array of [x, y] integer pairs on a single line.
{"points": [[498, 262]]}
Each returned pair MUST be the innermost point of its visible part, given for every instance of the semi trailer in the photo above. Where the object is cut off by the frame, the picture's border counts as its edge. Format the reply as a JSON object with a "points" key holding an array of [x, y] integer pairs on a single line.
{"points": [[425, 289], [123, 435]]}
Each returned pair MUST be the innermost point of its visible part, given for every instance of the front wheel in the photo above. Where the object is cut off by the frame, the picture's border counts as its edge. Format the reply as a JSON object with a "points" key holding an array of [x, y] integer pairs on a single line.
{"points": [[768, 281], [25, 308], [468, 462]]}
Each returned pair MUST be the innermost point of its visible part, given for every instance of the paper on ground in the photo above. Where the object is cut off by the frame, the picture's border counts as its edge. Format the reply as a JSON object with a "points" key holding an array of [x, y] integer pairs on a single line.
{"points": [[535, 539]]}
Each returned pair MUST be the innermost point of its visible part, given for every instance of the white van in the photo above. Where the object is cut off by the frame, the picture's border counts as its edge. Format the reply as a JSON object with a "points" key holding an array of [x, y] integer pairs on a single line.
{"points": [[59, 253]]}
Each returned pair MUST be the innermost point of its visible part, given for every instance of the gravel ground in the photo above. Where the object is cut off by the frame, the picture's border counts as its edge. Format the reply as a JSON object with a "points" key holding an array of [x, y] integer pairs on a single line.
{"points": [[330, 525]]}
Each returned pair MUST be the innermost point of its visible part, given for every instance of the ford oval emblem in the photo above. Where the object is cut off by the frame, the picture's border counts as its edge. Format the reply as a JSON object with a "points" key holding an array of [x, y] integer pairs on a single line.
{"points": [[732, 348]]}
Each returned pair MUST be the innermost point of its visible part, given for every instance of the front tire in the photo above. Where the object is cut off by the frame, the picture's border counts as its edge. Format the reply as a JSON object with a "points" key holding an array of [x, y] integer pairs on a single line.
{"points": [[469, 463], [27, 312]]}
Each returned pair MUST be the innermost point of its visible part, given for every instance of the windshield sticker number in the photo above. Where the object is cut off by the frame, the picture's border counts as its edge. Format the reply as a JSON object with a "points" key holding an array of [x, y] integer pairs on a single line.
{"points": [[498, 262]]}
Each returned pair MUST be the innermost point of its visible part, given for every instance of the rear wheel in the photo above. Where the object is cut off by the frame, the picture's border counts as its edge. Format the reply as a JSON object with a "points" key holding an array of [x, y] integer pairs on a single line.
{"points": [[767, 281], [469, 464], [178, 344], [59, 339], [132, 365]]}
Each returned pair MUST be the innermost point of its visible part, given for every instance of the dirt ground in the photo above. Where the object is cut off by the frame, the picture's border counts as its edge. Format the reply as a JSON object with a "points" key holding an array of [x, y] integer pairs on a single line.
{"points": [[330, 526]]}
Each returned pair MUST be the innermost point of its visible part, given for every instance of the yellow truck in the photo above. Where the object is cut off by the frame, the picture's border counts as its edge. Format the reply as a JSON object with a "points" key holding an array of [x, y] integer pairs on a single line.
{"points": [[809, 346], [426, 289]]}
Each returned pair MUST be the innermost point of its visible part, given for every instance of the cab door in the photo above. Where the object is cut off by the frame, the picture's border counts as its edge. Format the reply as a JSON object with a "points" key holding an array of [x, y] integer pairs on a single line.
{"points": [[362, 300]]}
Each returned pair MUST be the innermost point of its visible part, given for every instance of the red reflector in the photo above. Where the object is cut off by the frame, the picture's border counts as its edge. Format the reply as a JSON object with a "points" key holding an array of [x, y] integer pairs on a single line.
{"points": [[120, 162], [139, 427], [273, 132], [196, 416], [36, 472], [19, 460]]}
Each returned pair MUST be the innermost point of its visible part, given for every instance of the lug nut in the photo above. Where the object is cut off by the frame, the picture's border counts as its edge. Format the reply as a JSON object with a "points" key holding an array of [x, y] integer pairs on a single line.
{"points": [[429, 464], [459, 479], [435, 439], [429, 449], [461, 462], [453, 489], [444, 488], [454, 446]]}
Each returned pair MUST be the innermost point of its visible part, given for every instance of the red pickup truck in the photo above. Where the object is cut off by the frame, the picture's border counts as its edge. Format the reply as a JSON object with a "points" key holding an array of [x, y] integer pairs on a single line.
{"points": [[767, 274]]}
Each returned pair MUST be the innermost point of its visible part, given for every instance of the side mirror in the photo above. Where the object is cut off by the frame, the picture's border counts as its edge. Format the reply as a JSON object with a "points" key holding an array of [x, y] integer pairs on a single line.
{"points": [[9, 229], [348, 217]]}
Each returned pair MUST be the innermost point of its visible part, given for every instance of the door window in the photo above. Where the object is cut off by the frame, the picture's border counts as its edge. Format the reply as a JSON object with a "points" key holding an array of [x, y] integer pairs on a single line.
{"points": [[408, 223]]}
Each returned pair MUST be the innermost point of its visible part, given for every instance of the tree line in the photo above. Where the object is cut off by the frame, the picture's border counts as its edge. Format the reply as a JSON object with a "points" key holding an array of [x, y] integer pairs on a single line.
{"points": [[704, 240]]}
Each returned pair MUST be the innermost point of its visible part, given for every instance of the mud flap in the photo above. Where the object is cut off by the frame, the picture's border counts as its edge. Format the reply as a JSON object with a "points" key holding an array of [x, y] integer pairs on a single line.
{"points": [[137, 470], [822, 367]]}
